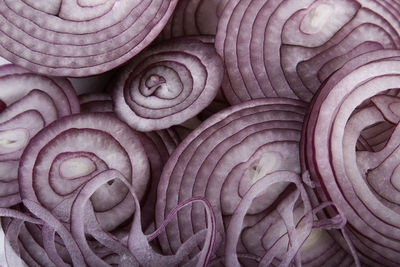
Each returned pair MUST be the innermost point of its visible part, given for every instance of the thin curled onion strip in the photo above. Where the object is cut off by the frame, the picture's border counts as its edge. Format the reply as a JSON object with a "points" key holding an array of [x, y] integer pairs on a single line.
{"points": [[138, 242], [59, 227], [49, 246], [233, 235]]}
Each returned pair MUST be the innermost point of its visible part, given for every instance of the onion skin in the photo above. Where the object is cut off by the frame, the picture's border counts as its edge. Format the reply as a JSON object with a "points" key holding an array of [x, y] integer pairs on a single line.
{"points": [[75, 40], [287, 48], [353, 99], [167, 84]]}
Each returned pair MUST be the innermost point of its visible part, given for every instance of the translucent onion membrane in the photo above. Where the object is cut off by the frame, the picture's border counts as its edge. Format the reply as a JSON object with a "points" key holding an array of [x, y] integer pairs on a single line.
{"points": [[288, 48], [78, 38], [167, 84], [29, 102], [68, 153], [350, 146], [193, 17], [245, 161]]}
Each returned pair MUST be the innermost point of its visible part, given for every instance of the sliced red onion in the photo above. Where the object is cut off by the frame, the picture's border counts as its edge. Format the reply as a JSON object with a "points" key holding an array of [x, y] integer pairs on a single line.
{"points": [[284, 210], [29, 103], [24, 243], [158, 154], [287, 48], [69, 152], [78, 38], [361, 183], [220, 160], [167, 84]]}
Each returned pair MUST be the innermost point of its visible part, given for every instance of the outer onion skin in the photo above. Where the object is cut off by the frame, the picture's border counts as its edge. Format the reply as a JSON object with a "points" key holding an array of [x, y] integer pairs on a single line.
{"points": [[288, 48], [72, 39], [167, 84], [359, 180]]}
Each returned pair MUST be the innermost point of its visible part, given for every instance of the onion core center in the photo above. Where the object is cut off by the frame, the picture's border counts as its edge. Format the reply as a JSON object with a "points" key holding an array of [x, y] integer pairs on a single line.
{"points": [[266, 164], [76, 167], [13, 140]]}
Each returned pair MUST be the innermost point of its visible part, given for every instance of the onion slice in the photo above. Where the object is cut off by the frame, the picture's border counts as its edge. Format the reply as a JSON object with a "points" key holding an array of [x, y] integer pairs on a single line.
{"points": [[221, 160], [360, 180], [69, 152], [167, 84], [78, 38], [284, 48]]}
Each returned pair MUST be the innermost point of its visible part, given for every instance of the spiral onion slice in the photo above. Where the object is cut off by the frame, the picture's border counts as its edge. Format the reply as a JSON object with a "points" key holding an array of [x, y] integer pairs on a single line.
{"points": [[167, 84]]}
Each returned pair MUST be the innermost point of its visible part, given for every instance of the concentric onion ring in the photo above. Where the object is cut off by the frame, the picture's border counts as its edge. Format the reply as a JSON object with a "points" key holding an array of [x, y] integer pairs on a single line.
{"points": [[167, 84], [288, 48], [362, 183], [68, 153], [78, 38], [221, 160], [29, 102]]}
